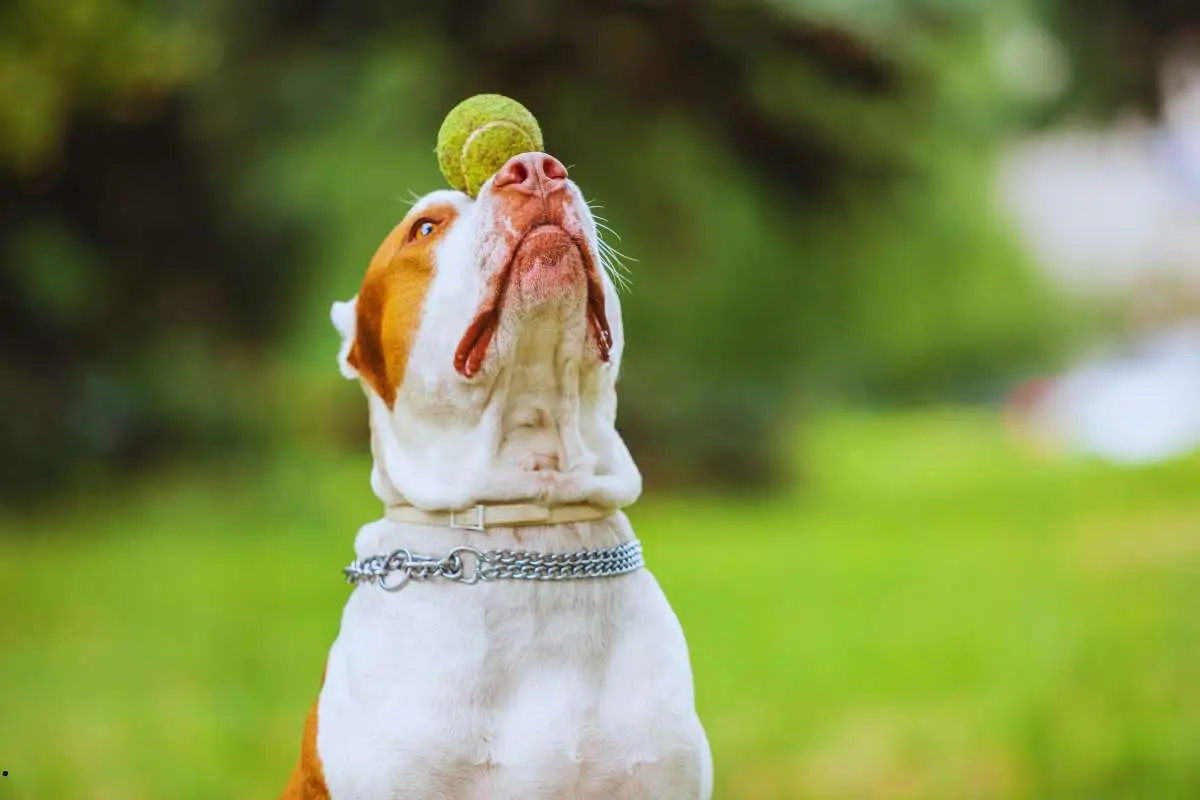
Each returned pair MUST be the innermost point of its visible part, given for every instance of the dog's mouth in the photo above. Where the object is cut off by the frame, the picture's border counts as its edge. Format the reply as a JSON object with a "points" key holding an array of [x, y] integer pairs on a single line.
{"points": [[545, 263]]}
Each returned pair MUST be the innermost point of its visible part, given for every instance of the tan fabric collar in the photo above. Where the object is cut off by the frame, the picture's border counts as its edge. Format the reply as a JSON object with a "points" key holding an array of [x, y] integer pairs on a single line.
{"points": [[482, 517]]}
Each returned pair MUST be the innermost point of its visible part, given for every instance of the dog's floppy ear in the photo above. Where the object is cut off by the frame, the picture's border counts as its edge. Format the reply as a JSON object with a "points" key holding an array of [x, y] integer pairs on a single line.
{"points": [[362, 356], [345, 319]]}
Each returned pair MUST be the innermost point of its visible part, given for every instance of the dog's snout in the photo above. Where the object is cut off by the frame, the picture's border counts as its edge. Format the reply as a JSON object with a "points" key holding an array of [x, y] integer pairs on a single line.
{"points": [[532, 173]]}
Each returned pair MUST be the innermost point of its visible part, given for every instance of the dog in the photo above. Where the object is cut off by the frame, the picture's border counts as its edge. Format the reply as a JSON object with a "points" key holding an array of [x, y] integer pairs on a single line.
{"points": [[487, 338]]}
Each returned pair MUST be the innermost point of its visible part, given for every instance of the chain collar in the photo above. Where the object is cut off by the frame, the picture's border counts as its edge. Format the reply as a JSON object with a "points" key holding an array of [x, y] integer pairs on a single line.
{"points": [[470, 566]]}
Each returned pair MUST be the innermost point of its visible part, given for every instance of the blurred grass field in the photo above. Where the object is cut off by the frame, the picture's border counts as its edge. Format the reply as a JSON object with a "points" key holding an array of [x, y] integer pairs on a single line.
{"points": [[935, 616]]}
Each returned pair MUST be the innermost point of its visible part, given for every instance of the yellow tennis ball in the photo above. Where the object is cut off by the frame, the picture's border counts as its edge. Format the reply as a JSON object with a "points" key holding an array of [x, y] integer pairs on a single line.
{"points": [[480, 135]]}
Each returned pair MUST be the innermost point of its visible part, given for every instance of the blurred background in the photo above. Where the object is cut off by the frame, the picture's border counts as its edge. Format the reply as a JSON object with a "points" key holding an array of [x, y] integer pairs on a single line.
{"points": [[914, 327]]}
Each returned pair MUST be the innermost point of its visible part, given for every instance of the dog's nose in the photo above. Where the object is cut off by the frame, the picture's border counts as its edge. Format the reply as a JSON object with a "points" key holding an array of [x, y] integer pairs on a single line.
{"points": [[532, 173]]}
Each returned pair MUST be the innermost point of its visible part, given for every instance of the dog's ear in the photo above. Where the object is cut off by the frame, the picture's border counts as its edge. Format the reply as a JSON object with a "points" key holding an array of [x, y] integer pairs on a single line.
{"points": [[345, 320], [362, 356]]}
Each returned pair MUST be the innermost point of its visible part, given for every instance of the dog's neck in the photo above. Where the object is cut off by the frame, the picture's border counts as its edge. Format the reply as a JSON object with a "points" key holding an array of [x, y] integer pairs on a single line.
{"points": [[541, 430], [385, 536]]}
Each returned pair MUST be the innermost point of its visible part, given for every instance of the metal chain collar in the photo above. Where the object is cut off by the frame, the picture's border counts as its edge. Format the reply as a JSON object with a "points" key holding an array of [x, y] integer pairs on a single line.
{"points": [[492, 565]]}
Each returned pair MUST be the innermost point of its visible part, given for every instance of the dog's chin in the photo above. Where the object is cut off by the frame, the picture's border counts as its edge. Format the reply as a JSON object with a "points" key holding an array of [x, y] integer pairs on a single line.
{"points": [[548, 266]]}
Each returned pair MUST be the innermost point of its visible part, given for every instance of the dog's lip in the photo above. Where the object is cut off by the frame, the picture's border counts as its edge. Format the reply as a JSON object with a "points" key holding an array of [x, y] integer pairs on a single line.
{"points": [[472, 348], [538, 228], [468, 358]]}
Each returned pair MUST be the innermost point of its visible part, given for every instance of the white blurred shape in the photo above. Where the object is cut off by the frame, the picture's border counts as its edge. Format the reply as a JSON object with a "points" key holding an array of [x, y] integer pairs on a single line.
{"points": [[1099, 211], [1109, 211], [1140, 408]]}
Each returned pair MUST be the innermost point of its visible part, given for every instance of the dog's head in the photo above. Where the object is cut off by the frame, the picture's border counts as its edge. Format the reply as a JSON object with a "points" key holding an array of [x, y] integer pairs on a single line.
{"points": [[487, 335]]}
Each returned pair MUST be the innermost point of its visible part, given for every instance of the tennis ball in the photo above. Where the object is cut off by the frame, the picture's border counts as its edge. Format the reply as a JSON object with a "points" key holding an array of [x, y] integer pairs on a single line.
{"points": [[480, 135]]}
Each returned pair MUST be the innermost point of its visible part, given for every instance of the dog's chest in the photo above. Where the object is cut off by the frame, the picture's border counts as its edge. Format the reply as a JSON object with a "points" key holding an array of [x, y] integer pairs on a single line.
{"points": [[511, 692]]}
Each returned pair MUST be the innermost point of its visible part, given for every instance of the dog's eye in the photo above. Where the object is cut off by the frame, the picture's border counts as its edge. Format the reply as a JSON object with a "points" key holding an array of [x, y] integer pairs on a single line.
{"points": [[422, 229]]}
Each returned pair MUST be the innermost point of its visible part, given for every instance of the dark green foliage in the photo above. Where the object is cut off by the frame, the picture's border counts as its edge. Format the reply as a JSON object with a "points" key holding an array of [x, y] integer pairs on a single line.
{"points": [[805, 192]]}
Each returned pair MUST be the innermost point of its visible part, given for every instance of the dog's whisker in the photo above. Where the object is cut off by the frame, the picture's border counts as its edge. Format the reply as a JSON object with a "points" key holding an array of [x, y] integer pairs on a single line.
{"points": [[612, 261], [610, 246], [617, 256], [620, 278], [607, 248], [606, 227], [602, 228]]}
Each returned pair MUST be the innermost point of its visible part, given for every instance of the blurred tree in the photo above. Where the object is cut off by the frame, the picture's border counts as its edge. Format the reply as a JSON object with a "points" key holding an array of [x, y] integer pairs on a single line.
{"points": [[805, 187], [121, 270], [1116, 49], [114, 60], [802, 183], [805, 191]]}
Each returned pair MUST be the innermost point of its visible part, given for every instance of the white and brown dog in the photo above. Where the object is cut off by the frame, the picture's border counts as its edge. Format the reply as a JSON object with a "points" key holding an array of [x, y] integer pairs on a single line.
{"points": [[487, 337]]}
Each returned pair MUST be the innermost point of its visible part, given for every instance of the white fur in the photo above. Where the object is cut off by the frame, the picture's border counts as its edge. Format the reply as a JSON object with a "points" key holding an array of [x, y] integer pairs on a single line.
{"points": [[343, 317], [506, 690]]}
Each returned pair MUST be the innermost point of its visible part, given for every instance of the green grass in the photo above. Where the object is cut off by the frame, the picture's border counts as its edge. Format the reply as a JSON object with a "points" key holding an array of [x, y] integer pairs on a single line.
{"points": [[934, 616]]}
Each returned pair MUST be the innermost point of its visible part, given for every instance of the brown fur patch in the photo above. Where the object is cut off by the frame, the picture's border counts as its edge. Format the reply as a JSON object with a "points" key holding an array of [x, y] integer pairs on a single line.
{"points": [[391, 300], [308, 779]]}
